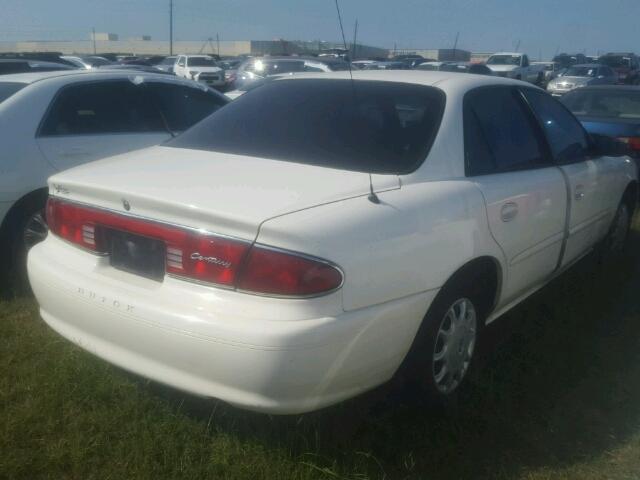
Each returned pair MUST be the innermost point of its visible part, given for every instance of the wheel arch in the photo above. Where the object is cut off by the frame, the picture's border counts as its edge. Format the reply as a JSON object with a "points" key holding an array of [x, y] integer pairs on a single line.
{"points": [[38, 195], [484, 273]]}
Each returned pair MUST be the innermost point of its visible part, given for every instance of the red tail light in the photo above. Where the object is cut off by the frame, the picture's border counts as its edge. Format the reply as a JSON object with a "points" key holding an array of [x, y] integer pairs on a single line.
{"points": [[276, 272], [632, 142], [197, 255]]}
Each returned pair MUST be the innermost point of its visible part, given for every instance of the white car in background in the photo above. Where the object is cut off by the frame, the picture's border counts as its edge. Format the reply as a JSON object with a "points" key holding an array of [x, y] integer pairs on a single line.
{"points": [[517, 66], [347, 232], [56, 120], [201, 68]]}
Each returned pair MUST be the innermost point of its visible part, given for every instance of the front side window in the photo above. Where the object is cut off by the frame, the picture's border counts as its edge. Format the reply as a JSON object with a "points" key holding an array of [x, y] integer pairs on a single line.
{"points": [[367, 126], [181, 62], [101, 107], [182, 106], [566, 137], [499, 133]]}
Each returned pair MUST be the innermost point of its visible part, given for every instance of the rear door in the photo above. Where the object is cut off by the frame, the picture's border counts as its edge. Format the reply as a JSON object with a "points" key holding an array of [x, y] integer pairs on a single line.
{"points": [[92, 120], [525, 193], [591, 180]]}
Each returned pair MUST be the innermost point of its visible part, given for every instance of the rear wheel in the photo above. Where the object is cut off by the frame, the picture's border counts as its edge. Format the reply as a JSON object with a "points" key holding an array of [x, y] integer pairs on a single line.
{"points": [[443, 351], [614, 243]]}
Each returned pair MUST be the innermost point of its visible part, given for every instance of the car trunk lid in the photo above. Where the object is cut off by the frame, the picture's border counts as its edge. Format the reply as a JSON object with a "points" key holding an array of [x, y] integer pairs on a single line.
{"points": [[218, 192]]}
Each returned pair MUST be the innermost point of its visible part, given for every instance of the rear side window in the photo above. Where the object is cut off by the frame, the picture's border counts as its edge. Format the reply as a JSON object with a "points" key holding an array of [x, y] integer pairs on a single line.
{"points": [[382, 127], [499, 133], [182, 106], [566, 136], [9, 88], [100, 108]]}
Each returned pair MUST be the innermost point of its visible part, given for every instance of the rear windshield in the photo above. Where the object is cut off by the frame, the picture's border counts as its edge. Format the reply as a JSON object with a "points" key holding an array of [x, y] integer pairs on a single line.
{"points": [[366, 126], [604, 103], [9, 88], [262, 67]]}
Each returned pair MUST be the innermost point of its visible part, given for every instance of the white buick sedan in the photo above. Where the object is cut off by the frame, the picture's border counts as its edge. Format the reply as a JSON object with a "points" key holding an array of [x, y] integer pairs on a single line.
{"points": [[320, 235]]}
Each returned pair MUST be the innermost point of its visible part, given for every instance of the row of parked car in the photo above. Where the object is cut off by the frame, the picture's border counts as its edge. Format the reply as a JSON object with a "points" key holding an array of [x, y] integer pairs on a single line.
{"points": [[314, 238]]}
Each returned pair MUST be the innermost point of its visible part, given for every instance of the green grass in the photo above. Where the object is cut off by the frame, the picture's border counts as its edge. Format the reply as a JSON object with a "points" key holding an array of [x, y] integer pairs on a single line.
{"points": [[557, 397]]}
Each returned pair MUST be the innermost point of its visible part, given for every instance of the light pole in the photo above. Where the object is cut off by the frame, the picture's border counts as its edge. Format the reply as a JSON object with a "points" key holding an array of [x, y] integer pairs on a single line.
{"points": [[170, 27]]}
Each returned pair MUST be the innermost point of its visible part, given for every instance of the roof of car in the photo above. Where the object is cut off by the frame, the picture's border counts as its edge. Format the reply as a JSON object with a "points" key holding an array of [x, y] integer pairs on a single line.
{"points": [[32, 77], [445, 80], [588, 65]]}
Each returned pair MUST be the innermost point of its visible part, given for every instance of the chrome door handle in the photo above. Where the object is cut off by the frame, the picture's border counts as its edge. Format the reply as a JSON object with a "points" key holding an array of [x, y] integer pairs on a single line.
{"points": [[579, 192], [509, 211]]}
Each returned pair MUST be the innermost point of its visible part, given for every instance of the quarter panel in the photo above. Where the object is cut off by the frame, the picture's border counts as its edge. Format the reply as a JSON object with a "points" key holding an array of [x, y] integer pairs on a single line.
{"points": [[411, 242]]}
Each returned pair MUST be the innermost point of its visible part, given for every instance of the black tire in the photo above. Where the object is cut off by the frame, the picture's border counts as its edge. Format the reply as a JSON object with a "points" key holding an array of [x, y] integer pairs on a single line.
{"points": [[30, 213], [419, 371], [613, 246]]}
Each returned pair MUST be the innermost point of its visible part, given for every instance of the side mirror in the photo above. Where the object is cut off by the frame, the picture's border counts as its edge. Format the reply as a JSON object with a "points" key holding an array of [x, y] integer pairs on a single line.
{"points": [[605, 146]]}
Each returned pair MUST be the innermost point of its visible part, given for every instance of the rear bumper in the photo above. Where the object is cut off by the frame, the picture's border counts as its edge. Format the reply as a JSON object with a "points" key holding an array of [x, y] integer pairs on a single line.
{"points": [[219, 343]]}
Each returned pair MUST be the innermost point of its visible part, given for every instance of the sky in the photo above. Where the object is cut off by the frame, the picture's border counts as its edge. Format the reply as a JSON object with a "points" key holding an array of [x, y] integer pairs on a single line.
{"points": [[542, 27]]}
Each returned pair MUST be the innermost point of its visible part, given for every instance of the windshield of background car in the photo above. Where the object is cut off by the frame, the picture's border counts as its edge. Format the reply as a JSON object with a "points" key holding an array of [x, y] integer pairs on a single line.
{"points": [[263, 67], [615, 61], [97, 62], [504, 60], [338, 66], [366, 126], [168, 61], [9, 88], [201, 62], [581, 72], [608, 103]]}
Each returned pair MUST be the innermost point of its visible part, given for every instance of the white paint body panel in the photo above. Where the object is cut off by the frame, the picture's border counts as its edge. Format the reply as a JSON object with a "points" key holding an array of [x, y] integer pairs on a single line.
{"points": [[526, 212], [283, 355]]}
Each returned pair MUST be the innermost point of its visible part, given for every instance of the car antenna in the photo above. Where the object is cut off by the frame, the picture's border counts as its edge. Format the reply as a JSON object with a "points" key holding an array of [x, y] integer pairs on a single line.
{"points": [[373, 198]]}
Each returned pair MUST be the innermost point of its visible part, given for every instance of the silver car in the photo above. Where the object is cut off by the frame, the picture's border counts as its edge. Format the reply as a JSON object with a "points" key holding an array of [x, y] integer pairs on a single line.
{"points": [[580, 76]]}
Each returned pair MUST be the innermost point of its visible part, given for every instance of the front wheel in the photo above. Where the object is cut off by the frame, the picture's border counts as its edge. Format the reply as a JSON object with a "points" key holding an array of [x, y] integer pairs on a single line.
{"points": [[29, 229]]}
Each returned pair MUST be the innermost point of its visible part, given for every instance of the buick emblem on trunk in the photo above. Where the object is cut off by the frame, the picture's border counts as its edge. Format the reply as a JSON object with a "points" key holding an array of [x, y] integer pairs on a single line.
{"points": [[212, 260], [126, 204]]}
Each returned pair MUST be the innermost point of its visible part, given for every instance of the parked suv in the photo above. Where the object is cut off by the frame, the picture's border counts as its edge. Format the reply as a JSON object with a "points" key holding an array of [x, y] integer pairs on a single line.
{"points": [[517, 66], [201, 68]]}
